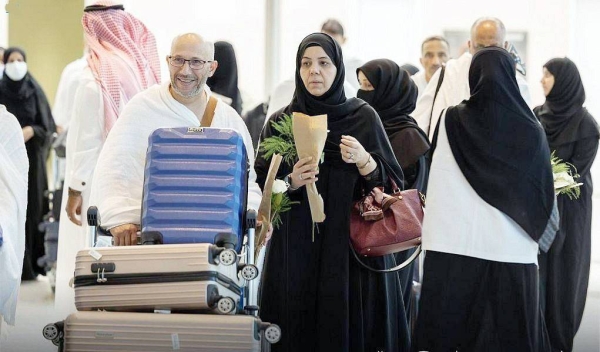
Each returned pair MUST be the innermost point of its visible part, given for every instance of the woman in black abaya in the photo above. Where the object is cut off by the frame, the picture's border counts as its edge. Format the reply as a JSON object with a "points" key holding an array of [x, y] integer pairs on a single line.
{"points": [[316, 291], [24, 98], [393, 94], [225, 79], [573, 134]]}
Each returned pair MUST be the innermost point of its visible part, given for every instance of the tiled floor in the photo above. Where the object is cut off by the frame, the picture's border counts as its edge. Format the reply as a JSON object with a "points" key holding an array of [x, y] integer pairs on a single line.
{"points": [[36, 303]]}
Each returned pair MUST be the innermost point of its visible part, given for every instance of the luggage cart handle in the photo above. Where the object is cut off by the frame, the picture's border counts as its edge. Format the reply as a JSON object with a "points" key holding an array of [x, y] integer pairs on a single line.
{"points": [[252, 304]]}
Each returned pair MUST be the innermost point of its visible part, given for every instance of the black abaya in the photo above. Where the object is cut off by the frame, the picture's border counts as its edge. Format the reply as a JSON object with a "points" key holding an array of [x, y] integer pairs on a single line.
{"points": [[26, 100], [564, 271], [315, 291], [394, 97]]}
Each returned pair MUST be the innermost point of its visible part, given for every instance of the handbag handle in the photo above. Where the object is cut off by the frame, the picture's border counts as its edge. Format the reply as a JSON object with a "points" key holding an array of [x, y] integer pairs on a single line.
{"points": [[392, 176], [390, 270]]}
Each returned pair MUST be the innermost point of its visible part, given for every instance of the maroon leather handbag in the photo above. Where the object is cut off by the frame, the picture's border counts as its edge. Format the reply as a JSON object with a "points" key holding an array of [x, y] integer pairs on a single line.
{"points": [[383, 223]]}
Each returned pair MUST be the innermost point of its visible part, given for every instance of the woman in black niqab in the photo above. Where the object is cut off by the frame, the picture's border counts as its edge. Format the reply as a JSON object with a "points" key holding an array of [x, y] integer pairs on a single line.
{"points": [[317, 293], [25, 99], [573, 135], [393, 94], [394, 97], [225, 79]]}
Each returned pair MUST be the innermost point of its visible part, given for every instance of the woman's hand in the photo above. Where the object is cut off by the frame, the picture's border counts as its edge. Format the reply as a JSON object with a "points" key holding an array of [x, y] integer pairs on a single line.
{"points": [[352, 151], [27, 133], [304, 172]]}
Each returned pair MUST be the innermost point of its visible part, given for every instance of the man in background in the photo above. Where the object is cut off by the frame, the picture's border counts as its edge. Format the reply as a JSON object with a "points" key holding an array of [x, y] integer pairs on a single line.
{"points": [[435, 51], [485, 32]]}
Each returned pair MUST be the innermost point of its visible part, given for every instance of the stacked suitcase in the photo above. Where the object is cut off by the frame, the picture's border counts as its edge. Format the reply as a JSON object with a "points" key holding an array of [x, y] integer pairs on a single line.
{"points": [[187, 287]]}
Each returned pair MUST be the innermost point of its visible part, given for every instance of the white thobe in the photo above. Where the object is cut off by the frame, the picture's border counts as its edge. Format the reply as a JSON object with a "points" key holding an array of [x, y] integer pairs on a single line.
{"points": [[118, 181], [65, 93], [454, 89], [351, 64], [420, 81], [84, 142], [13, 208]]}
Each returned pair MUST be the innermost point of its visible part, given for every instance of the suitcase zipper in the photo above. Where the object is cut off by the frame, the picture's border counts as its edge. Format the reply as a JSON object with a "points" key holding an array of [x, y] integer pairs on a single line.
{"points": [[157, 278]]}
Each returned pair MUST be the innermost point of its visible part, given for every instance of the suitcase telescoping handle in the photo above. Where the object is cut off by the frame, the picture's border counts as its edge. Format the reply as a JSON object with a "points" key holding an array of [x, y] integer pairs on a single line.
{"points": [[252, 306], [93, 220]]}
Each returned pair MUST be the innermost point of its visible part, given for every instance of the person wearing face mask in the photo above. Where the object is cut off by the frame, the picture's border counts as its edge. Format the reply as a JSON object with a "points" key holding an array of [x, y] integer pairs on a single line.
{"points": [[572, 133], [314, 288], [24, 98], [393, 94]]}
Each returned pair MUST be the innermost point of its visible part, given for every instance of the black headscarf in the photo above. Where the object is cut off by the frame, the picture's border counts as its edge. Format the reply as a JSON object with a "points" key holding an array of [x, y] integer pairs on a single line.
{"points": [[563, 116], [395, 93], [225, 79], [333, 102], [351, 117], [499, 145], [17, 89], [394, 97]]}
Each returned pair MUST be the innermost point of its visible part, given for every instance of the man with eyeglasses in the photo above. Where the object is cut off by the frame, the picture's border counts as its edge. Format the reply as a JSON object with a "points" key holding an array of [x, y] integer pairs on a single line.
{"points": [[181, 102]]}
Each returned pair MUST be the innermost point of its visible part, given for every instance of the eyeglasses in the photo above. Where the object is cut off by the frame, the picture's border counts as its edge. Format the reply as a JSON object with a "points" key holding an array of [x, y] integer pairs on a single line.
{"points": [[195, 64]]}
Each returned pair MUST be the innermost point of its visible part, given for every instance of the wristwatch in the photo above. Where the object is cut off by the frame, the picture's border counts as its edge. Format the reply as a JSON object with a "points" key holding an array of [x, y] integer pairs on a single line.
{"points": [[288, 182]]}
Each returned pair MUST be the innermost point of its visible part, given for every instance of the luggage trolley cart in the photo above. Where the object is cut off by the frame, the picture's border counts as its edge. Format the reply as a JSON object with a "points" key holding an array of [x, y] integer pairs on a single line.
{"points": [[216, 157]]}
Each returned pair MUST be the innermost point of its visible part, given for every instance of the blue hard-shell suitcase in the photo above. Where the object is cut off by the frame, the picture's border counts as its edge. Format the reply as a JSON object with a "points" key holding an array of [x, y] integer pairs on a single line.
{"points": [[195, 185]]}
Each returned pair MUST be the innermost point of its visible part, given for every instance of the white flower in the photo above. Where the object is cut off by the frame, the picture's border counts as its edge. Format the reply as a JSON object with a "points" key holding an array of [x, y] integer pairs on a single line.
{"points": [[562, 179], [279, 186]]}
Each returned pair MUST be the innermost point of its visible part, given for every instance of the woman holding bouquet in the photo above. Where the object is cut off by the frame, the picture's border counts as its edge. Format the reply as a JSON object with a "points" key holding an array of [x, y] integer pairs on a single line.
{"points": [[573, 134], [314, 289]]}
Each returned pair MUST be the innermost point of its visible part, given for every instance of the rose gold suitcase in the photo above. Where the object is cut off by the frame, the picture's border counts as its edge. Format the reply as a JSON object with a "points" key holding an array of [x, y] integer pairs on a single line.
{"points": [[151, 332], [176, 277]]}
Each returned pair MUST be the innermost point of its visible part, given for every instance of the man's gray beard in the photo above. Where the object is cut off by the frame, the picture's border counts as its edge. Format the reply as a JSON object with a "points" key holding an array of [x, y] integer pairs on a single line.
{"points": [[193, 93]]}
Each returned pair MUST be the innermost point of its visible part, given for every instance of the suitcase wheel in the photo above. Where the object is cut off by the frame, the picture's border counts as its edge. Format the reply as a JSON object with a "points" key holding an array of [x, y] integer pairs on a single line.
{"points": [[226, 305], [50, 332], [228, 257], [249, 272], [56, 341], [273, 333]]}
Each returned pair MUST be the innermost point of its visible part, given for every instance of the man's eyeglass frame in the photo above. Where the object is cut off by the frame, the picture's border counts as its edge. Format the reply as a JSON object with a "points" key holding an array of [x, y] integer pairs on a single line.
{"points": [[194, 66]]}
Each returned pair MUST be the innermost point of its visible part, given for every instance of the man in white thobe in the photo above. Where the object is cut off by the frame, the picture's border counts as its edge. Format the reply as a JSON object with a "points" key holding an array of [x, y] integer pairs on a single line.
{"points": [[486, 31], [65, 93], [121, 61], [435, 51], [118, 182], [13, 208]]}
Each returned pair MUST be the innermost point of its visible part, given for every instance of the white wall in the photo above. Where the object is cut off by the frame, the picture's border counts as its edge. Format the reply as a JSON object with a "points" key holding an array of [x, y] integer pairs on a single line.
{"points": [[3, 24], [376, 29], [394, 29]]}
